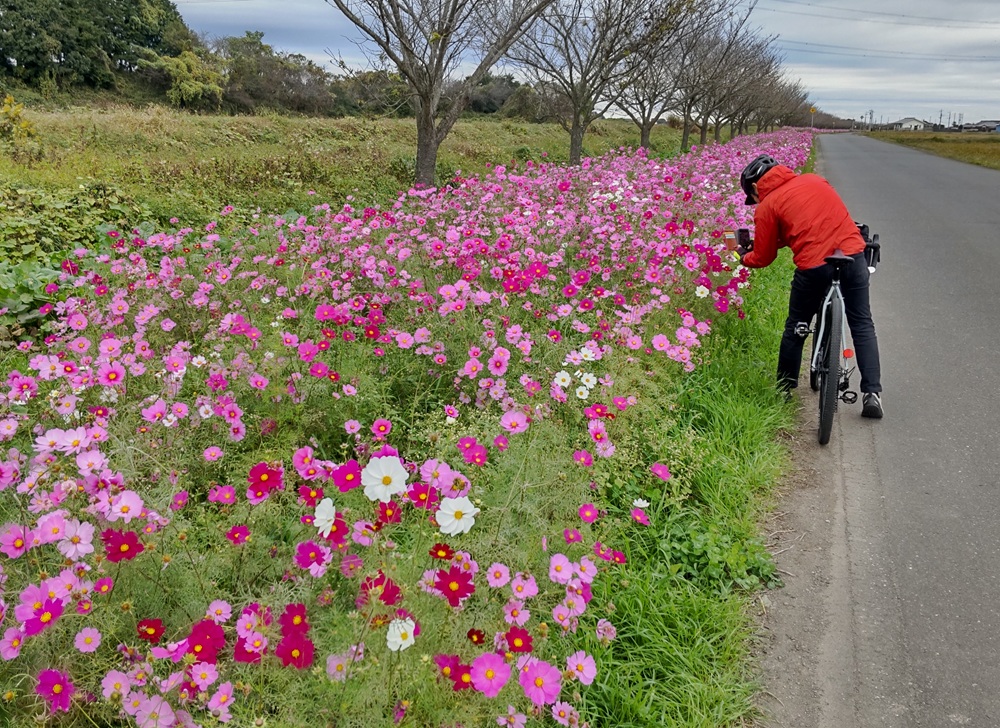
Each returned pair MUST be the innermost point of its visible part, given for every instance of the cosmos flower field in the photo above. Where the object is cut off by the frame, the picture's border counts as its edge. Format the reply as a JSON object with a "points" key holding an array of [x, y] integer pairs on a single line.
{"points": [[357, 466]]}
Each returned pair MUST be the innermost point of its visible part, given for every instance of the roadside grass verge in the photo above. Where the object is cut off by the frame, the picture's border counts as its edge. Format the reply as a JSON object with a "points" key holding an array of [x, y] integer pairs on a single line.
{"points": [[979, 148]]}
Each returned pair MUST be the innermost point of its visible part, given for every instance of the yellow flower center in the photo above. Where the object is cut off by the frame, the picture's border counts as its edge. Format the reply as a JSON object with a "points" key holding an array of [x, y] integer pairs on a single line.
{"points": [[458, 515], [263, 478], [404, 636], [490, 674], [56, 689], [386, 480], [539, 682], [45, 618], [296, 653]]}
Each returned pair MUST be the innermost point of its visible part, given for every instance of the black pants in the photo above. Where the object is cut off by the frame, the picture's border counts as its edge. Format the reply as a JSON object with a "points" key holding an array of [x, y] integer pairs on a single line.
{"points": [[808, 291]]}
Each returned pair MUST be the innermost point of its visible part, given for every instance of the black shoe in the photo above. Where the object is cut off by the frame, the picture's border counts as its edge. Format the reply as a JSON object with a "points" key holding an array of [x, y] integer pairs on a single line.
{"points": [[871, 405]]}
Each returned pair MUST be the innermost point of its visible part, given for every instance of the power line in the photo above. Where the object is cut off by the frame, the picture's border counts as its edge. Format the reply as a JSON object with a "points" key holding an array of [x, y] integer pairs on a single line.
{"points": [[884, 53], [906, 16], [887, 21]]}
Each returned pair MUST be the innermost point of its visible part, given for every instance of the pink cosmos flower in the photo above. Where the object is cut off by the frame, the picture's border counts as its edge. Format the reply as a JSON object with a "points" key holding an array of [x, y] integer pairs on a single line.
{"points": [[582, 667], [110, 374], [584, 458], [225, 494], [15, 540], [514, 421], [588, 513], [222, 698], [489, 674], [56, 688], [606, 631], [524, 586], [660, 471], [515, 613], [639, 516], [87, 639], [203, 674], [572, 535], [43, 617], [352, 426], [10, 645], [381, 428], [239, 535], [541, 682]]}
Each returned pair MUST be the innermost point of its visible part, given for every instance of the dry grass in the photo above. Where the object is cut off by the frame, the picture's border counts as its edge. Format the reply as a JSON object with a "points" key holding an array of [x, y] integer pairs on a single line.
{"points": [[980, 148]]}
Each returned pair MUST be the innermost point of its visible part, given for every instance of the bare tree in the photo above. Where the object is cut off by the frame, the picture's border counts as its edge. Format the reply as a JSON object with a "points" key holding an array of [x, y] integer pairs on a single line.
{"points": [[427, 40], [710, 58], [578, 50], [649, 92]]}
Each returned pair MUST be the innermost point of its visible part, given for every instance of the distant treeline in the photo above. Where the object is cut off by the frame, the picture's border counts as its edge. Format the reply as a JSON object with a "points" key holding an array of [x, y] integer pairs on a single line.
{"points": [[144, 47]]}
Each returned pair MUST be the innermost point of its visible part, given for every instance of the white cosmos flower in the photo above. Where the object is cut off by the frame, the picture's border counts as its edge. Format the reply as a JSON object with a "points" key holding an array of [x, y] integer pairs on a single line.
{"points": [[588, 380], [586, 354], [640, 503], [582, 392], [324, 516], [400, 634], [383, 478], [563, 379], [701, 292], [456, 515]]}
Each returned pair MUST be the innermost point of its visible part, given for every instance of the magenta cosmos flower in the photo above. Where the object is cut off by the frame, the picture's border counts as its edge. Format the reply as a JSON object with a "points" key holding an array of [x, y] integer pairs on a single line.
{"points": [[541, 682], [56, 688]]}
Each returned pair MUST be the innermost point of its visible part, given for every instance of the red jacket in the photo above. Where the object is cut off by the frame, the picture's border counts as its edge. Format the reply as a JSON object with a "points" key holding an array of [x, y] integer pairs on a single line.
{"points": [[804, 213]]}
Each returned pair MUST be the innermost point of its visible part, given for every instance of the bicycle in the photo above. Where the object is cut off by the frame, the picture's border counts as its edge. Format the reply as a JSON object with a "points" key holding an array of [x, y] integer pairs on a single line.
{"points": [[828, 371]]}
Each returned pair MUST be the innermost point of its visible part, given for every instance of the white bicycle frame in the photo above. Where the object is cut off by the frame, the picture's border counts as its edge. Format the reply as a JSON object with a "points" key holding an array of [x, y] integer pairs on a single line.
{"points": [[833, 293]]}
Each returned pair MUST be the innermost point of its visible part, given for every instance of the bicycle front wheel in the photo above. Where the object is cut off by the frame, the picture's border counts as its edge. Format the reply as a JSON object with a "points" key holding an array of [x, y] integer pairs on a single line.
{"points": [[829, 373]]}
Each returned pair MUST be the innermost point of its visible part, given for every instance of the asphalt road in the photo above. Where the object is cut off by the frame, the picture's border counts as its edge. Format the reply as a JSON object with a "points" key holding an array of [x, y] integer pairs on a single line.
{"points": [[891, 611]]}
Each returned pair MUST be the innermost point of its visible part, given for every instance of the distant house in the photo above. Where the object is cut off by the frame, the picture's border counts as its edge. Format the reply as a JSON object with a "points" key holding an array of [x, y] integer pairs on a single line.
{"points": [[910, 124], [984, 125]]}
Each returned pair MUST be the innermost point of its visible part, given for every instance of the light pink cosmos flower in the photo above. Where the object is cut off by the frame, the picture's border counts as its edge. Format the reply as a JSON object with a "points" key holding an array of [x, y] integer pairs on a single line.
{"points": [[114, 683], [222, 698], [87, 639], [660, 471], [203, 674], [560, 569], [524, 586], [219, 611], [212, 453], [582, 667], [514, 421], [497, 575], [125, 506], [513, 719], [155, 712]]}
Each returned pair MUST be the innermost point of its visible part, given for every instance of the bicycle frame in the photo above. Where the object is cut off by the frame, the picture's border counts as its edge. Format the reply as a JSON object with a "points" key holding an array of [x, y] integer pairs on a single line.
{"points": [[833, 297]]}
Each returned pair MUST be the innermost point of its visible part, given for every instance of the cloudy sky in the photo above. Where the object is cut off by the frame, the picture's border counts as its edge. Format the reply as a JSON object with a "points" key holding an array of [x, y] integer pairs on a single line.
{"points": [[931, 59]]}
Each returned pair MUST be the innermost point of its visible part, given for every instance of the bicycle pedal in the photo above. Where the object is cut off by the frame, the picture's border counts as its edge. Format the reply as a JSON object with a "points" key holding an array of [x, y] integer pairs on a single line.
{"points": [[802, 329], [849, 397]]}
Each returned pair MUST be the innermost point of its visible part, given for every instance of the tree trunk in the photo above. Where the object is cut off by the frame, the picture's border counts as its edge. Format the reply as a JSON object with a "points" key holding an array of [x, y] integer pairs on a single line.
{"points": [[576, 140], [686, 134], [645, 131], [427, 146], [704, 130]]}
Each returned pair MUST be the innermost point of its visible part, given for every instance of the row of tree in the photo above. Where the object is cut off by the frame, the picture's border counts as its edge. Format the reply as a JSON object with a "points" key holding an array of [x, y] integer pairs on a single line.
{"points": [[572, 61]]}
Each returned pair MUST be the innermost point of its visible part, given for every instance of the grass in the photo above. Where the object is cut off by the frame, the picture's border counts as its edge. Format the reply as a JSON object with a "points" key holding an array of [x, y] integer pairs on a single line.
{"points": [[979, 148], [188, 166]]}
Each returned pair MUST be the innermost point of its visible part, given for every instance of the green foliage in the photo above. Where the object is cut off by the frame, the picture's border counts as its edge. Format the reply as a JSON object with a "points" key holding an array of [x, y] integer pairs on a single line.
{"points": [[14, 127], [21, 295], [41, 226], [193, 81]]}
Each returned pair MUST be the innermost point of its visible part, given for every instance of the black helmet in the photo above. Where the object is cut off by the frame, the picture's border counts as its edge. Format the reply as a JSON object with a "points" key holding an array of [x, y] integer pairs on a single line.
{"points": [[754, 171]]}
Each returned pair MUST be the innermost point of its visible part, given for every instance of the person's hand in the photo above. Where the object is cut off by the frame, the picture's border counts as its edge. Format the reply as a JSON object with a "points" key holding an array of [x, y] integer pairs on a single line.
{"points": [[740, 252]]}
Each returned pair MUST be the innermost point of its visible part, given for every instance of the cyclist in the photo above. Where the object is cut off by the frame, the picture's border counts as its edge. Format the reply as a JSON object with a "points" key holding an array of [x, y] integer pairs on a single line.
{"points": [[804, 213]]}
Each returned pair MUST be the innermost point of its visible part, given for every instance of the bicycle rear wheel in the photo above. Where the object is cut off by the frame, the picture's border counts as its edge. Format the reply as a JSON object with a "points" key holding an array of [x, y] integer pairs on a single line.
{"points": [[829, 369]]}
